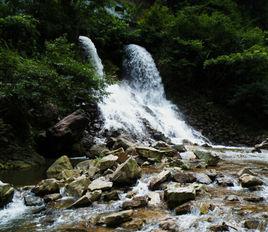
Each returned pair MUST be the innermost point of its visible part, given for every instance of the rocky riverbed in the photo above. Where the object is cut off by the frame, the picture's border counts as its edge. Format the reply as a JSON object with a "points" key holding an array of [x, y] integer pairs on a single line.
{"points": [[129, 187]]}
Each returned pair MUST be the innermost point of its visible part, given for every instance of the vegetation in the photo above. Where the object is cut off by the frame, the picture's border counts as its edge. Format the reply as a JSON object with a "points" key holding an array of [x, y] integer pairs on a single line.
{"points": [[217, 48]]}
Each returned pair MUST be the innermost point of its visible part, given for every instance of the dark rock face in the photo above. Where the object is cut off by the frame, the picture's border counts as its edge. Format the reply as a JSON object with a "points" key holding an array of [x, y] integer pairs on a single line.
{"points": [[62, 136]]}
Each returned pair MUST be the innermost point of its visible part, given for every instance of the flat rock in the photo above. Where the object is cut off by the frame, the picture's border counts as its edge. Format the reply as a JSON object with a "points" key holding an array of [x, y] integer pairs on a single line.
{"points": [[157, 180], [107, 162], [211, 160], [177, 195], [183, 178], [115, 219], [100, 184], [202, 178], [135, 202]]}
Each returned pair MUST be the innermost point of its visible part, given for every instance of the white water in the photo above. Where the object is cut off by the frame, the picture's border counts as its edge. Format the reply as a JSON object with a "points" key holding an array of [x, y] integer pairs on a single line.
{"points": [[140, 97], [92, 54]]}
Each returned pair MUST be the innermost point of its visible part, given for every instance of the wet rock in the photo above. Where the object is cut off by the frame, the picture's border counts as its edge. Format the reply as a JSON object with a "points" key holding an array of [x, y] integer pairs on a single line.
{"points": [[179, 147], [88, 167], [157, 180], [169, 225], [135, 224], [212, 173], [77, 187], [211, 160], [52, 197], [87, 199], [47, 186], [206, 207], [245, 171], [183, 209], [231, 198], [115, 219], [188, 155], [135, 202], [154, 199], [6, 194], [120, 142], [111, 196], [120, 154], [177, 195], [30, 200], [262, 145], [100, 184], [38, 209], [68, 174], [107, 162], [98, 150], [219, 228], [127, 172], [183, 178], [149, 153], [254, 199], [225, 181], [248, 181], [202, 178], [63, 163], [252, 224]]}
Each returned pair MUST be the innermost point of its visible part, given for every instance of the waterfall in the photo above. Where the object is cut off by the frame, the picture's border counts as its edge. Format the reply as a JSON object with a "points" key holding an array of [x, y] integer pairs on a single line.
{"points": [[140, 98], [91, 53]]}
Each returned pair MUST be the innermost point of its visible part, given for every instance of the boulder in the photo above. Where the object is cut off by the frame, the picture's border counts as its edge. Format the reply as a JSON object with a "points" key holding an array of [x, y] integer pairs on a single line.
{"points": [[88, 167], [149, 153], [245, 171], [87, 199], [62, 136], [107, 162], [55, 170], [120, 142], [77, 187], [135, 202], [52, 197], [157, 180], [211, 160], [30, 200], [115, 219], [183, 209], [183, 178], [252, 224], [100, 184], [225, 181], [6, 194], [121, 155], [47, 186], [202, 178], [176, 195], [248, 181], [127, 172], [111, 196], [135, 225], [98, 150]]}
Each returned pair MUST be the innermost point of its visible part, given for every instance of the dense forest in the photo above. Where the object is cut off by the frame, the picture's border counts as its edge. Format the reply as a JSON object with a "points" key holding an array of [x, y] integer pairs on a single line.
{"points": [[216, 49]]}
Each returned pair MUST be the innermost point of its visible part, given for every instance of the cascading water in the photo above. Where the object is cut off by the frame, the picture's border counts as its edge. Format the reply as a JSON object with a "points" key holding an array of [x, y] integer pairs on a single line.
{"points": [[140, 98], [91, 53]]}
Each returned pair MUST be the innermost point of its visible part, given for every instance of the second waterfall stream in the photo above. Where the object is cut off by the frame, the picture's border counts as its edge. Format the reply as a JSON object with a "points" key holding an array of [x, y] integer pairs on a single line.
{"points": [[139, 101]]}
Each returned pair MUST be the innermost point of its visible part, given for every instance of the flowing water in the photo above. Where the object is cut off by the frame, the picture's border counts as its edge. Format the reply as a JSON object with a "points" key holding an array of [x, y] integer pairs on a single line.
{"points": [[140, 98], [92, 54]]}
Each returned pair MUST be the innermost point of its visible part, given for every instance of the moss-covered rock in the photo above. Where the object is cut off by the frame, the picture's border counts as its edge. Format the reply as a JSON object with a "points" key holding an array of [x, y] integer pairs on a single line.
{"points": [[61, 164], [6, 194]]}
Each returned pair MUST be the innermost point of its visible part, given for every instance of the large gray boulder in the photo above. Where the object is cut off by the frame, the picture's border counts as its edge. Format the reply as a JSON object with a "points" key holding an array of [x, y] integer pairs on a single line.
{"points": [[61, 164], [127, 172], [6, 194], [176, 195]]}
